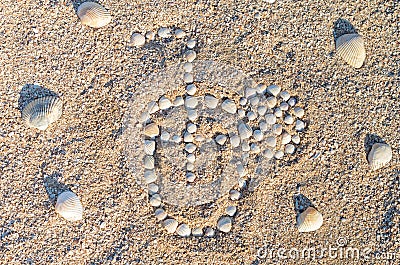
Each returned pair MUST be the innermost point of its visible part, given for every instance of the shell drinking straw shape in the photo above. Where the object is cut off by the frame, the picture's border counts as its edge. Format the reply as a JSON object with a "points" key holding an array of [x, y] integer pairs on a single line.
{"points": [[41, 112], [93, 15], [351, 48], [69, 206]]}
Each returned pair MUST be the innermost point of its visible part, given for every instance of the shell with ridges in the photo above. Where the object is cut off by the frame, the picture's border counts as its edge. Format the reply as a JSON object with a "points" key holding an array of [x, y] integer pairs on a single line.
{"points": [[69, 206], [41, 112], [309, 220], [170, 225], [224, 224], [351, 48], [183, 230], [379, 155], [93, 15]]}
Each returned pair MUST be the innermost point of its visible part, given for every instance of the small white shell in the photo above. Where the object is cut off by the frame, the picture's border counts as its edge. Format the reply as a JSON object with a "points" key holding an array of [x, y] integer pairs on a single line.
{"points": [[210, 232], [188, 137], [235, 140], [251, 116], [191, 89], [152, 107], [288, 119], [183, 230], [192, 114], [155, 200], [41, 112], [285, 95], [224, 224], [234, 195], [149, 147], [164, 33], [289, 149], [165, 136], [277, 129], [211, 102], [93, 15], [245, 131], [150, 176], [145, 116], [258, 135], [148, 162], [150, 35], [241, 113], [190, 176], [188, 78], [230, 210], [278, 112], [188, 67], [191, 128], [296, 139], [191, 43], [197, 231], [199, 138], [190, 148], [298, 112], [292, 102], [160, 214], [270, 141], [351, 48], [250, 92], [170, 225], [191, 102], [153, 188], [242, 101], [379, 155], [164, 103], [229, 106], [270, 119], [178, 101], [261, 88], [261, 110], [299, 126], [284, 106], [190, 55], [263, 126], [69, 206], [254, 148], [268, 153], [137, 39], [274, 90], [245, 146], [279, 154], [179, 33], [271, 102], [189, 166], [309, 220], [254, 101], [241, 170], [220, 139], [286, 138]]}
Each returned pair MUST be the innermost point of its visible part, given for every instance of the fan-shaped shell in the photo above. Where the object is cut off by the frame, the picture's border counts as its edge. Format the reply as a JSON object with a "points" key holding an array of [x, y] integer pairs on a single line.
{"points": [[245, 131], [41, 112], [170, 225], [69, 206], [183, 230], [151, 130], [309, 220], [229, 106], [351, 48], [379, 155], [224, 224], [149, 147], [93, 15]]}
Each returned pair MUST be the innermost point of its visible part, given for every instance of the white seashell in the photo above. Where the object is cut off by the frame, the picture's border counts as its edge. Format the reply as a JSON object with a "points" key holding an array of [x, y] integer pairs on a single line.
{"points": [[150, 35], [251, 116], [230, 210], [178, 101], [296, 139], [191, 43], [153, 107], [245, 146], [164, 103], [149, 147], [199, 138], [190, 55], [188, 137], [190, 148], [245, 131], [242, 101], [197, 231], [137, 39], [183, 230], [258, 135], [271, 102], [220, 139], [379, 155], [309, 220], [190, 176], [160, 214], [165, 136], [254, 101], [279, 154], [149, 162], [151, 130], [288, 119], [189, 166], [289, 149], [235, 140], [192, 114], [270, 119], [268, 153], [155, 200], [144, 117], [270, 141], [261, 88], [188, 67], [69, 206], [263, 126], [210, 232], [229, 106], [250, 92], [285, 95], [188, 78], [224, 224], [191, 89], [93, 15], [164, 33], [277, 129], [150, 176], [170, 225], [191, 128], [241, 113], [234, 195], [274, 90], [284, 106], [152, 188], [292, 102], [211, 102], [41, 112], [241, 170], [242, 183], [286, 138], [261, 110], [191, 102], [179, 34], [351, 48], [254, 148], [278, 112], [298, 112], [299, 126]]}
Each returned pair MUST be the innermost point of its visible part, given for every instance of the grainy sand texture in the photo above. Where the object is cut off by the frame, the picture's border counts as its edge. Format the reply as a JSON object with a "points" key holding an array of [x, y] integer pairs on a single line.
{"points": [[97, 71]]}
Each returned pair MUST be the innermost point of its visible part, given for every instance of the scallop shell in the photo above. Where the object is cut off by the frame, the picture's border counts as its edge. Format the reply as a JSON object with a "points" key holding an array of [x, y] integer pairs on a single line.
{"points": [[224, 224], [235, 140], [41, 112], [150, 176], [191, 89], [351, 48], [210, 232], [229, 106], [274, 90], [149, 147], [258, 135], [164, 103], [69, 206], [155, 200], [183, 230], [210, 101], [191, 102], [170, 225], [197, 231], [190, 55], [230, 210], [309, 220], [379, 155], [93, 15], [220, 139], [234, 195], [148, 162], [151, 130], [160, 214], [137, 39], [245, 131]]}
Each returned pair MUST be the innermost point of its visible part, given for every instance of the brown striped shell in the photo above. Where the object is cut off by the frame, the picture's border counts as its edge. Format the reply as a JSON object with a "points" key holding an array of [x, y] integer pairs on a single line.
{"points": [[93, 15], [41, 112], [351, 48]]}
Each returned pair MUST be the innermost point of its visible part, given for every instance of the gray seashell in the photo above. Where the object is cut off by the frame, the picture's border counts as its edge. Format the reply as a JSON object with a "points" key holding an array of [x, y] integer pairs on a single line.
{"points": [[178, 101], [164, 33], [229, 106], [144, 117], [191, 128], [270, 119], [191, 89], [164, 103], [137, 39], [251, 116], [224, 224], [160, 214], [165, 136], [150, 176], [279, 154], [191, 43], [284, 106], [230, 210], [250, 92], [242, 101], [277, 129], [268, 153], [234, 140], [241, 113], [245, 131], [379, 155], [176, 139], [93, 15], [292, 102], [234, 195], [299, 126], [271, 102], [289, 149], [309, 220], [241, 170], [351, 48], [211, 102], [298, 112], [179, 34], [190, 148], [69, 206], [170, 225], [183, 230], [149, 147], [188, 78], [288, 119], [254, 101], [261, 88], [153, 107], [274, 90], [191, 102], [296, 139], [261, 110], [210, 232], [286, 138], [190, 55], [258, 135], [190, 176], [263, 126], [197, 231], [152, 188], [199, 138], [189, 166], [151, 130], [188, 137], [245, 146], [149, 162], [278, 112], [155, 200], [41, 112], [270, 141], [188, 67], [285, 95], [254, 148], [192, 114], [220, 139]]}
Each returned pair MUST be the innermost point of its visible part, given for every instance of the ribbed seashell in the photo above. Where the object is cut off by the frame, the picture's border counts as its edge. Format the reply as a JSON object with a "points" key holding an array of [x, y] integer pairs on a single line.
{"points": [[191, 102], [164, 103], [220, 139], [191, 89], [251, 115], [277, 129], [190, 55], [351, 48], [153, 188], [69, 206], [289, 149], [234, 140], [278, 112], [300, 125], [224, 224], [284, 106], [190, 148], [230, 210], [270, 119], [242, 101], [151, 130], [41, 112], [164, 33], [274, 90], [286, 138], [379, 155], [254, 148], [150, 176], [145, 116], [285, 95], [189, 166], [270, 141], [148, 162], [191, 128], [183, 230], [268, 153], [309, 220], [261, 110], [288, 119], [296, 139], [258, 135], [209, 232], [149, 147], [179, 34], [241, 170], [234, 195], [191, 43], [254, 101], [191, 158], [93, 15], [261, 88], [137, 39], [188, 137], [263, 126], [165, 136], [249, 92], [245, 146], [188, 67], [211, 102], [292, 102], [279, 154], [188, 78], [178, 101], [298, 112], [170, 225], [241, 113], [190, 176], [199, 138], [160, 214], [197, 231], [192, 114], [176, 139], [229, 106], [155, 200], [152, 107], [245, 131]]}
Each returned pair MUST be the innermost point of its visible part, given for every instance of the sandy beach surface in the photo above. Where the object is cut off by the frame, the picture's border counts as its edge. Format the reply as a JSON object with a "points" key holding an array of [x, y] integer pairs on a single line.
{"points": [[96, 72]]}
